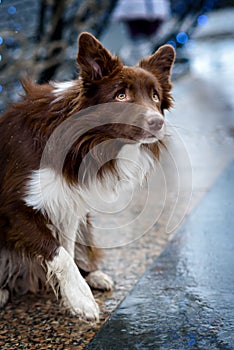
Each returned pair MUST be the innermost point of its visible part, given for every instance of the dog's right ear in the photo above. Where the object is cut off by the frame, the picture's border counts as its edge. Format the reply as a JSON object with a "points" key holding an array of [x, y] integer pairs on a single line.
{"points": [[94, 61]]}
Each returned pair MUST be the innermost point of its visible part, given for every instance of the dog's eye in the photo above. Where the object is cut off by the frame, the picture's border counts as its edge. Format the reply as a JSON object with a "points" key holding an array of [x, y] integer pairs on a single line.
{"points": [[155, 97], [121, 96]]}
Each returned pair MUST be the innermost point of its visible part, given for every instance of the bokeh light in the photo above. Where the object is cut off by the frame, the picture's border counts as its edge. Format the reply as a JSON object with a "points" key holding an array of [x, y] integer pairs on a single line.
{"points": [[202, 20], [11, 10], [182, 38], [1, 40], [172, 43]]}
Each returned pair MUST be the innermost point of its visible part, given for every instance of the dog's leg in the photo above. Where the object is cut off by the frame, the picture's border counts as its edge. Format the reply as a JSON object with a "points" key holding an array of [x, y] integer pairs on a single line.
{"points": [[4, 296], [44, 247], [87, 258], [68, 240], [75, 292], [99, 280]]}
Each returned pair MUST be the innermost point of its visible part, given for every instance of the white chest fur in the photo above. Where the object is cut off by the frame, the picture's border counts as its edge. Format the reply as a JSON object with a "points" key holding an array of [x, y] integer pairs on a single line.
{"points": [[67, 205]]}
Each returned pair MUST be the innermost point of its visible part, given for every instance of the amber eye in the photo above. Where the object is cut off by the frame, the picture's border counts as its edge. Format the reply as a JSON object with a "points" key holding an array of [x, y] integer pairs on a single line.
{"points": [[121, 96], [155, 96]]}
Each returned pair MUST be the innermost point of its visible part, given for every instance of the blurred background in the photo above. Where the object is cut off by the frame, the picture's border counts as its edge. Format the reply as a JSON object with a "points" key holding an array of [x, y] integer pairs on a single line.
{"points": [[39, 37]]}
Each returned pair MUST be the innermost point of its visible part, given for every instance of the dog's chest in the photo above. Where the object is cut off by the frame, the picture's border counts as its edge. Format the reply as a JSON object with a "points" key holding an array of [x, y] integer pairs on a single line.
{"points": [[67, 205]]}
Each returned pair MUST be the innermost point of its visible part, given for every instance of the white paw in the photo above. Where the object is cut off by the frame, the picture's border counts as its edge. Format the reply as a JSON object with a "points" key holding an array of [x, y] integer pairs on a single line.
{"points": [[4, 296], [85, 308], [80, 302], [75, 292], [99, 280]]}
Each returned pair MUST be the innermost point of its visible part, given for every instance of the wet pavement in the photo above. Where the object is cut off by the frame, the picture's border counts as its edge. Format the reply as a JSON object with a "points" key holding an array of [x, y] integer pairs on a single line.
{"points": [[185, 299]]}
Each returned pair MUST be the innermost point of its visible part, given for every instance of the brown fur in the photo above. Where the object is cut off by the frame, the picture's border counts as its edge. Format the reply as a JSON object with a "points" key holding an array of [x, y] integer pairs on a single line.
{"points": [[25, 239]]}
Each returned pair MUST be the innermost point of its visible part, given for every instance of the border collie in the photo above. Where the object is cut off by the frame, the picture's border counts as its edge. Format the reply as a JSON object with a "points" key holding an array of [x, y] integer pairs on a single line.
{"points": [[60, 144]]}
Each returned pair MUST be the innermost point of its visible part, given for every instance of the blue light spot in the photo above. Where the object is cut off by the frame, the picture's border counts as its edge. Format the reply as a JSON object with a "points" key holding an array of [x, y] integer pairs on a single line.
{"points": [[0, 58], [202, 20], [191, 342], [191, 339], [172, 43], [11, 10], [1, 88], [1, 40], [182, 38]]}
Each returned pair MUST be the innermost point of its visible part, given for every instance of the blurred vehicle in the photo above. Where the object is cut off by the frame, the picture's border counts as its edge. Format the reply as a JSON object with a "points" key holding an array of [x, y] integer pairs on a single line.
{"points": [[142, 19]]}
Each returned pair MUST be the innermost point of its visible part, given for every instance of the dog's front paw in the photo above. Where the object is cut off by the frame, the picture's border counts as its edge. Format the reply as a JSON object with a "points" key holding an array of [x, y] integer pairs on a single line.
{"points": [[87, 309], [99, 280], [75, 292], [81, 303]]}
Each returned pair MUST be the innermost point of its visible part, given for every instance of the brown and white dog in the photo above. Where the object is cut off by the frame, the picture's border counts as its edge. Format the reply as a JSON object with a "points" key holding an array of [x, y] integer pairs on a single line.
{"points": [[45, 230]]}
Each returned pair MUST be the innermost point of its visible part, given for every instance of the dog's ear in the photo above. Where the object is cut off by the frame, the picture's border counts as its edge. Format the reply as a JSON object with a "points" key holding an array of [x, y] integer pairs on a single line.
{"points": [[93, 59], [160, 64]]}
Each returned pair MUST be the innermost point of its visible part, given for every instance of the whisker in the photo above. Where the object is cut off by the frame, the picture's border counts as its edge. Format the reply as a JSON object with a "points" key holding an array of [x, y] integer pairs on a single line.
{"points": [[177, 127]]}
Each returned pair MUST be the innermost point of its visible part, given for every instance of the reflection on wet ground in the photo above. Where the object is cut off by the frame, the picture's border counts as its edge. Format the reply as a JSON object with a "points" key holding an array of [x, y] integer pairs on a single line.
{"points": [[185, 299]]}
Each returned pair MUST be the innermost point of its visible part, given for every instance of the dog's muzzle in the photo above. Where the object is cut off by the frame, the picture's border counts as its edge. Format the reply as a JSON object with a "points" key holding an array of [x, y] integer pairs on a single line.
{"points": [[155, 123], [154, 127]]}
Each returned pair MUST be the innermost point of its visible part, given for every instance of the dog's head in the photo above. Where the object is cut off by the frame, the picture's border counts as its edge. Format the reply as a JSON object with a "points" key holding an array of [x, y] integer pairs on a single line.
{"points": [[145, 86]]}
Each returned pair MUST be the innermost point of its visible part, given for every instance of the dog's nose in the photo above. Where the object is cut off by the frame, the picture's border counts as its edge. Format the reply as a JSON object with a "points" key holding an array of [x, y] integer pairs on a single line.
{"points": [[155, 123]]}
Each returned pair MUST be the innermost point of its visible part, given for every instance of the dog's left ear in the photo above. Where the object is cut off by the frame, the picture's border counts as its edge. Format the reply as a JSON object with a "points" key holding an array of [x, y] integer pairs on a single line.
{"points": [[94, 61], [160, 64]]}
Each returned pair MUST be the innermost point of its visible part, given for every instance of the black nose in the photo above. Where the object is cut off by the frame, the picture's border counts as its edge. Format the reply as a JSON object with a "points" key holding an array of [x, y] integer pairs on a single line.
{"points": [[155, 124]]}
